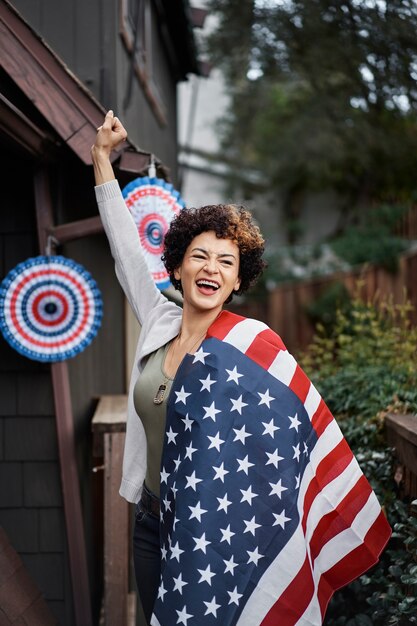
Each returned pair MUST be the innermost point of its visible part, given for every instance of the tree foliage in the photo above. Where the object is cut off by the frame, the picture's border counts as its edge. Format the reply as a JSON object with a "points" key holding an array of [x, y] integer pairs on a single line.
{"points": [[323, 93]]}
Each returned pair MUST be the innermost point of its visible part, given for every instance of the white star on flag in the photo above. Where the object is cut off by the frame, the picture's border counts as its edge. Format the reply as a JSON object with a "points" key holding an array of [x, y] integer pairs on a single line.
{"points": [[265, 398], [201, 543], [206, 383], [216, 442], [234, 375], [244, 465], [167, 504], [164, 475], [227, 534], [296, 452], [224, 503], [179, 583], [212, 607], [211, 411], [189, 451], [171, 435], [305, 451], [274, 458], [248, 495], [196, 511], [238, 404], [206, 575], [182, 396], [297, 481], [187, 422], [251, 526], [230, 565], [281, 519], [183, 616], [200, 356], [295, 422], [161, 592], [192, 481], [234, 596], [176, 552], [270, 428], [241, 434], [254, 556], [177, 463], [277, 489], [220, 472]]}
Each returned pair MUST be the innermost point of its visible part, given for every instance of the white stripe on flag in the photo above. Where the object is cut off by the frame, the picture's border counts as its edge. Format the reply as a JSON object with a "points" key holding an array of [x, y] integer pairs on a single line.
{"points": [[330, 496], [242, 335], [275, 580], [332, 552], [283, 367], [312, 401]]}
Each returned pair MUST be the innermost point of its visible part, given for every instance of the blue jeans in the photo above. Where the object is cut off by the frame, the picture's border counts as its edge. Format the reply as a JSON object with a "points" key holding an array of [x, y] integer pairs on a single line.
{"points": [[146, 558]]}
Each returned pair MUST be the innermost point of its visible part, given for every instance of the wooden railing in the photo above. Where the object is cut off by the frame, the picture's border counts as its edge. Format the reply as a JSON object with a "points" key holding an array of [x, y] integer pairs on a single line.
{"points": [[401, 433], [109, 429], [285, 308]]}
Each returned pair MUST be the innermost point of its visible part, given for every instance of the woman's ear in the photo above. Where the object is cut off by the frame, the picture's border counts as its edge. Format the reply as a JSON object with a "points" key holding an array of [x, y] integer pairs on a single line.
{"points": [[237, 284], [177, 274]]}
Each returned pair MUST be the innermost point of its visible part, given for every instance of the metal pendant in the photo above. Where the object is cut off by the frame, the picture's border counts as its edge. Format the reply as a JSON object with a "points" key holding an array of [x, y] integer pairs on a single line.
{"points": [[160, 394]]}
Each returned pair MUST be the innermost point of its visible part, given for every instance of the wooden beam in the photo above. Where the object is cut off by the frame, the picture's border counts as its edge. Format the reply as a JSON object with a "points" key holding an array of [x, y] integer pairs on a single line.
{"points": [[78, 229], [66, 440]]}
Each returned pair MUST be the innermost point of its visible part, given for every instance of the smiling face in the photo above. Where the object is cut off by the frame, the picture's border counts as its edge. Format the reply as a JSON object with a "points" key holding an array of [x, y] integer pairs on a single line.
{"points": [[209, 272]]}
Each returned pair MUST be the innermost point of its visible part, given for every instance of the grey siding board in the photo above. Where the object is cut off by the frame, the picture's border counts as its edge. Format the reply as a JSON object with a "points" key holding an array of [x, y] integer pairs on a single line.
{"points": [[35, 396], [11, 485], [22, 528], [42, 485], [8, 394], [30, 439], [1, 439], [51, 530]]}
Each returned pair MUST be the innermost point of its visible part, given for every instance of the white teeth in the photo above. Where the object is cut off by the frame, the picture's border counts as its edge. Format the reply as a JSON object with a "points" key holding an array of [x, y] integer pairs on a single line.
{"points": [[208, 283]]}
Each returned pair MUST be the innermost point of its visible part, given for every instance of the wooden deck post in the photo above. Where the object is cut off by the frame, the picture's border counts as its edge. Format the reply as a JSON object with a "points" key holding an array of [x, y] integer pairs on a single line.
{"points": [[109, 426]]}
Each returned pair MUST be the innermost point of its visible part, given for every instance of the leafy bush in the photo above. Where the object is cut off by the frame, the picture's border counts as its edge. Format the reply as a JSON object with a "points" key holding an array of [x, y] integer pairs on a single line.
{"points": [[365, 366]]}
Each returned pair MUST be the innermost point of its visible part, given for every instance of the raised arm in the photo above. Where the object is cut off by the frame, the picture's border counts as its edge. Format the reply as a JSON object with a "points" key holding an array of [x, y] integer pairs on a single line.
{"points": [[131, 268]]}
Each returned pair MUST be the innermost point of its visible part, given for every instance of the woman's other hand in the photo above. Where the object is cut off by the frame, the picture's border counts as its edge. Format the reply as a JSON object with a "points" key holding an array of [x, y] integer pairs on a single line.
{"points": [[109, 135]]}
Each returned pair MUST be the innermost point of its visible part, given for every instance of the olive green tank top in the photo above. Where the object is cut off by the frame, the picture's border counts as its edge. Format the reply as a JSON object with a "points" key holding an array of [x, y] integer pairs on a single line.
{"points": [[153, 415]]}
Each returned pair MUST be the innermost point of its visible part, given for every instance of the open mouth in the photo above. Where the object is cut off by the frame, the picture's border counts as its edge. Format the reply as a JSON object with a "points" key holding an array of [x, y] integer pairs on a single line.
{"points": [[208, 285]]}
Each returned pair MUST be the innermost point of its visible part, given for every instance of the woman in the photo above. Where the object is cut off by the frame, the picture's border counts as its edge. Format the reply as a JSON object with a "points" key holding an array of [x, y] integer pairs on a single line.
{"points": [[248, 448]]}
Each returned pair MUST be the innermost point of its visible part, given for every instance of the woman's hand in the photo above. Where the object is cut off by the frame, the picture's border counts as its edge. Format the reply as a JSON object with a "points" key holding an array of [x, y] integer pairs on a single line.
{"points": [[110, 135]]}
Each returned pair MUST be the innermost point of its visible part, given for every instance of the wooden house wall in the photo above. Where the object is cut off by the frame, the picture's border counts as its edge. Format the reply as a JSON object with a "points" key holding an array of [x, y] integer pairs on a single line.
{"points": [[87, 36], [31, 509]]}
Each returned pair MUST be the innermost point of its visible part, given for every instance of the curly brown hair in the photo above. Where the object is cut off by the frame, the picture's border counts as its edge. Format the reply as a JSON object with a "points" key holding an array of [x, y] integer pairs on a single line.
{"points": [[228, 221]]}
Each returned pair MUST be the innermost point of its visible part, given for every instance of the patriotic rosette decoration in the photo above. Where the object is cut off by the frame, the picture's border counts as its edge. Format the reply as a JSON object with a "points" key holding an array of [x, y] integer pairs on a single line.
{"points": [[153, 203], [50, 308]]}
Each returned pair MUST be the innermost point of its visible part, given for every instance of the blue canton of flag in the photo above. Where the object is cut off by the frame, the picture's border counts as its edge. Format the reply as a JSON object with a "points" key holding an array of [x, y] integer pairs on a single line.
{"points": [[236, 447]]}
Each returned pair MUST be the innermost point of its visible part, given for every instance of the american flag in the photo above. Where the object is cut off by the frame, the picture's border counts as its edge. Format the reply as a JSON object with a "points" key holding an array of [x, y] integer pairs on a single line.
{"points": [[264, 509]]}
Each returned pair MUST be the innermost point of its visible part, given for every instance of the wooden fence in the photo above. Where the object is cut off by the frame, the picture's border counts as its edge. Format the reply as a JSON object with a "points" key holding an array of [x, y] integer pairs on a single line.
{"points": [[285, 309]]}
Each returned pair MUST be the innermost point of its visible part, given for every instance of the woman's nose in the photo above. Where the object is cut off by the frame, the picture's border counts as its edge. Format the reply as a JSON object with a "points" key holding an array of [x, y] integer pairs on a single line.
{"points": [[211, 265]]}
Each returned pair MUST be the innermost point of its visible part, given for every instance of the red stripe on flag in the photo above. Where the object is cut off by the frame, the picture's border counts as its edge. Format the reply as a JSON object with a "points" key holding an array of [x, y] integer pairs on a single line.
{"points": [[341, 518], [264, 348], [291, 605], [328, 469], [224, 324], [355, 563], [321, 418], [300, 384]]}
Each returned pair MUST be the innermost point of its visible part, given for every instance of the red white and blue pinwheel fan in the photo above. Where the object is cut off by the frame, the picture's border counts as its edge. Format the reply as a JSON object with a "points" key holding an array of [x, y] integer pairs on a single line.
{"points": [[153, 203], [50, 308]]}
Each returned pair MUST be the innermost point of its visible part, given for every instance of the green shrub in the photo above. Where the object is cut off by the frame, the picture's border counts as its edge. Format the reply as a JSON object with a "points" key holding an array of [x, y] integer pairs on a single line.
{"points": [[365, 366]]}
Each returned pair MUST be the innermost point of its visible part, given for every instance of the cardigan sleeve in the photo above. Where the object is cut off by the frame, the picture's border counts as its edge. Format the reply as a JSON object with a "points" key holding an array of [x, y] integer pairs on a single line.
{"points": [[131, 268]]}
